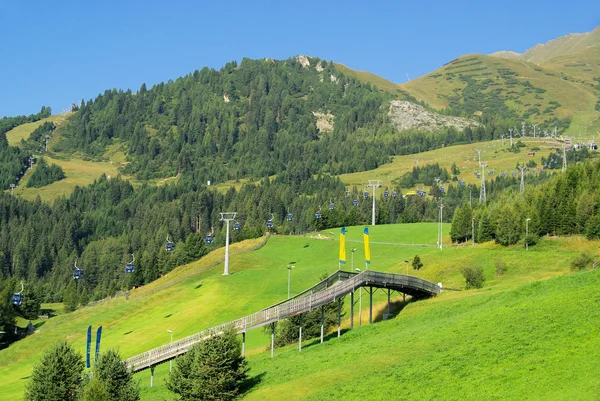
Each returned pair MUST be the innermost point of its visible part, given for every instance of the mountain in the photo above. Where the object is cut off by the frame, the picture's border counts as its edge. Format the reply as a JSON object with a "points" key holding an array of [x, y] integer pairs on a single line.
{"points": [[508, 88], [564, 45], [582, 66]]}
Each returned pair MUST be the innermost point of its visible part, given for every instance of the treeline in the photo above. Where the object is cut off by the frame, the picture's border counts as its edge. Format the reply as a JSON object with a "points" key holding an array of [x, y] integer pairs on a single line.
{"points": [[8, 123], [45, 174], [566, 204], [424, 175]]}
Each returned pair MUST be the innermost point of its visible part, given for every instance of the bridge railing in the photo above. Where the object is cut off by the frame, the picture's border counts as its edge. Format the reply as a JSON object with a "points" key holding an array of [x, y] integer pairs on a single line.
{"points": [[290, 307]]}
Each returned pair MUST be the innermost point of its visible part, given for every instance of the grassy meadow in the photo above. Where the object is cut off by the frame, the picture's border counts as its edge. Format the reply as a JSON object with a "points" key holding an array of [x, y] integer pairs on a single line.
{"points": [[195, 297], [465, 157]]}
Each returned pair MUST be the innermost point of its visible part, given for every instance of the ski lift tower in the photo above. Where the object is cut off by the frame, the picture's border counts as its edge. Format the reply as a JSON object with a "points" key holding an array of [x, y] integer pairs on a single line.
{"points": [[46, 143], [227, 217], [522, 187], [564, 166], [440, 226], [30, 162], [510, 132], [482, 196], [12, 189], [374, 184]]}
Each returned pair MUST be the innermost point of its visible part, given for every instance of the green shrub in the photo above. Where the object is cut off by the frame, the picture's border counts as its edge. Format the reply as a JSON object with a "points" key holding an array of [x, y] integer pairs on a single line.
{"points": [[500, 266], [581, 262], [474, 277]]}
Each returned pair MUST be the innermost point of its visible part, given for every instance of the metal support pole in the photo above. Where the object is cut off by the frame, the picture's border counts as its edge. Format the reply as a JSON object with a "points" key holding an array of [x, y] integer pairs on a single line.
{"points": [[473, 230], [352, 310], [322, 323], [300, 335], [227, 217], [151, 375], [272, 339], [360, 309], [243, 344], [373, 216], [226, 271], [388, 303], [370, 305], [339, 317]]}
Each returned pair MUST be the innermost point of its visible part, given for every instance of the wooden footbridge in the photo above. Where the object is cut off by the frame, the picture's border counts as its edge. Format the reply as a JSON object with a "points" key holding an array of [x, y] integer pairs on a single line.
{"points": [[331, 289]]}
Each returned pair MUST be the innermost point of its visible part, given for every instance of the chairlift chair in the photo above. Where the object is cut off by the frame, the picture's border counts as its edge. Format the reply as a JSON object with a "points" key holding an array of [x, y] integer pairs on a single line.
{"points": [[394, 194], [366, 195], [386, 193], [237, 226], [331, 206], [290, 217], [209, 238], [270, 223], [355, 202], [169, 246], [77, 272], [130, 267], [318, 214], [17, 298]]}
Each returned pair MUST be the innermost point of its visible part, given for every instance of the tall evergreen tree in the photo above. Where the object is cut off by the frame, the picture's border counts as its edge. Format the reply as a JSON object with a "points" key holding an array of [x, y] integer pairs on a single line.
{"points": [[57, 376]]}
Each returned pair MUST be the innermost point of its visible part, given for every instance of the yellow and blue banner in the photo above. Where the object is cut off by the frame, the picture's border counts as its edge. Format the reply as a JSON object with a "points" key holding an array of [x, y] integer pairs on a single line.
{"points": [[343, 246], [367, 246]]}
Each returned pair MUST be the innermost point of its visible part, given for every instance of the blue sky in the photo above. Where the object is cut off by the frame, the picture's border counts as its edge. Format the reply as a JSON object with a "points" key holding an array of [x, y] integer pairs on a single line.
{"points": [[58, 52]]}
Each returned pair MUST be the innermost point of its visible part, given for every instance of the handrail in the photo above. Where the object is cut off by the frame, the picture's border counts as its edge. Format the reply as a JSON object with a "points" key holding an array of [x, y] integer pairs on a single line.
{"points": [[303, 302]]}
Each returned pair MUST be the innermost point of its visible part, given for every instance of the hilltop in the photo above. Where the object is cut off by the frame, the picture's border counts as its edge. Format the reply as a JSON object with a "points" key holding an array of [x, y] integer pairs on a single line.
{"points": [[561, 46]]}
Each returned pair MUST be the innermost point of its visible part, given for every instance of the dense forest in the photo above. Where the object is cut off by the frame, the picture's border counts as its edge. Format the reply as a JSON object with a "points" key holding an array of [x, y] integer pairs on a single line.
{"points": [[254, 119], [13, 161], [565, 204], [45, 174]]}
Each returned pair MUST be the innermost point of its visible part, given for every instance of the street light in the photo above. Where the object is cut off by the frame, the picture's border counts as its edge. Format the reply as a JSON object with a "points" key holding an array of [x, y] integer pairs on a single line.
{"points": [[359, 304], [352, 250], [171, 361], [289, 267], [527, 234]]}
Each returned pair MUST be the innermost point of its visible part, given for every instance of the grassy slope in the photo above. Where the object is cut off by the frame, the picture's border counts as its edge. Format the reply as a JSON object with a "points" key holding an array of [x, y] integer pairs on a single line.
{"points": [[561, 46], [583, 65], [465, 157], [207, 299], [365, 76], [536, 341], [576, 100], [23, 131]]}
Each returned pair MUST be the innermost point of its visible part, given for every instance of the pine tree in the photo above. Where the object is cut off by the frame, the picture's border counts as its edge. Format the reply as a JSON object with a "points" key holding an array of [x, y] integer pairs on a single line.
{"points": [[57, 376], [96, 391], [211, 370], [416, 263], [115, 377], [71, 298]]}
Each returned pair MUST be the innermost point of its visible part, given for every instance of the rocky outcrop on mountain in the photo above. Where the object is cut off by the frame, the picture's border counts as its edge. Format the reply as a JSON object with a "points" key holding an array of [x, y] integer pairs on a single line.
{"points": [[407, 115]]}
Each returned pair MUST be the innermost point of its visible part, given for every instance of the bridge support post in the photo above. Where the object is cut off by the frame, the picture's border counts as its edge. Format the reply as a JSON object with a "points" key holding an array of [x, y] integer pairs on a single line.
{"points": [[388, 304], [339, 317], [322, 322], [243, 343], [272, 339], [151, 375], [352, 310], [300, 335], [370, 305]]}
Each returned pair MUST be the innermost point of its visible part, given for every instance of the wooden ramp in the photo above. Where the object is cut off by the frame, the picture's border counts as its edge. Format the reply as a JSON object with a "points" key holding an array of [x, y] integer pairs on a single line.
{"points": [[329, 290]]}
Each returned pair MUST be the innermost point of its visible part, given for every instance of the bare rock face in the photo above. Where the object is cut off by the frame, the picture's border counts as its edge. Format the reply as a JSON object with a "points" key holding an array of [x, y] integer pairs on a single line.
{"points": [[407, 115], [324, 121], [303, 60]]}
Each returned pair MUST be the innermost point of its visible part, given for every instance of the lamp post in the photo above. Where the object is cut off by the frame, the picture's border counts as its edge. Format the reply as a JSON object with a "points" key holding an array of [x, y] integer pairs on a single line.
{"points": [[527, 234], [352, 250], [289, 267], [359, 304], [171, 361], [403, 294]]}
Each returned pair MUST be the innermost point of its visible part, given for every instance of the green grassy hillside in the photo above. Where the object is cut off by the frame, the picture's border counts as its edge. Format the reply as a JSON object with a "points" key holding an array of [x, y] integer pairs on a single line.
{"points": [[187, 305], [475, 83], [536, 341], [465, 157], [15, 135], [583, 65]]}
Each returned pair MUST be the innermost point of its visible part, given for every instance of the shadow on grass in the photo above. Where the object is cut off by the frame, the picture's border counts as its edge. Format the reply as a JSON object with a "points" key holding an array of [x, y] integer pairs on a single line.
{"points": [[129, 332], [39, 324], [169, 315], [395, 308], [198, 286], [251, 382]]}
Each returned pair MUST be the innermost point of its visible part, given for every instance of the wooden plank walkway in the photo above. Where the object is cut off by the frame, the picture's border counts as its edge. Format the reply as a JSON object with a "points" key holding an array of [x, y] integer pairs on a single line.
{"points": [[329, 290]]}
